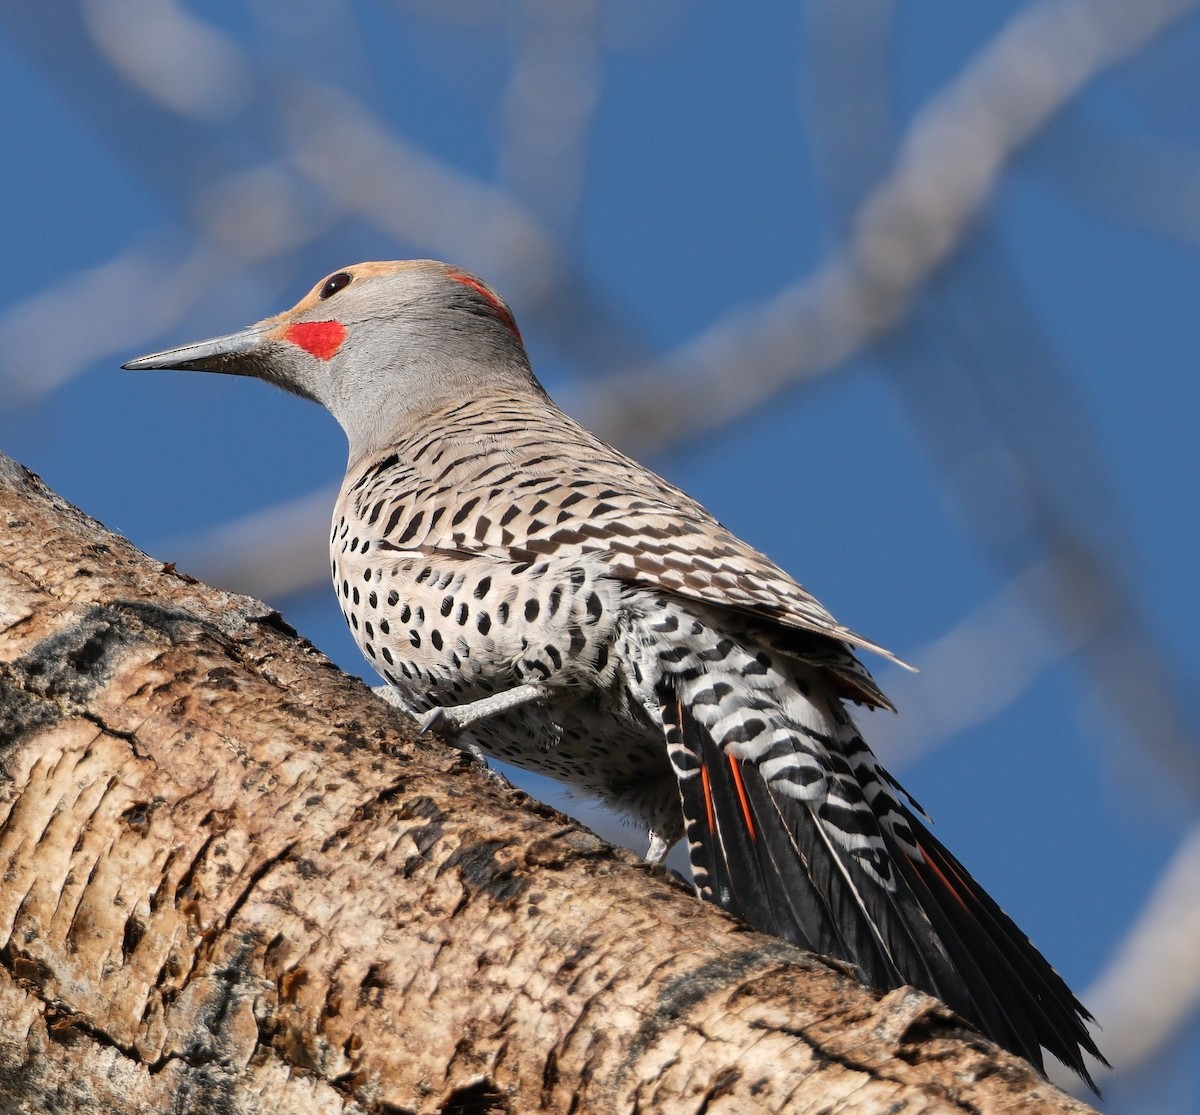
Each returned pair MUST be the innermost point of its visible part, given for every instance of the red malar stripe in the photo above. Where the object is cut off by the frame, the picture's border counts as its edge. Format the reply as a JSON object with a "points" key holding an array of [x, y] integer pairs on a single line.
{"points": [[321, 338]]}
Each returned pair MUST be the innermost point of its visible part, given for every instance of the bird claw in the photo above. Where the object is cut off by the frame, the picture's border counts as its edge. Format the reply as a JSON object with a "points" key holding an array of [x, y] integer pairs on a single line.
{"points": [[437, 718], [448, 727]]}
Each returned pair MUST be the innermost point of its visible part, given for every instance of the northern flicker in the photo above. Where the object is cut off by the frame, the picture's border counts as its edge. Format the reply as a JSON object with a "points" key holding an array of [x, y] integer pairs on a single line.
{"points": [[523, 585]]}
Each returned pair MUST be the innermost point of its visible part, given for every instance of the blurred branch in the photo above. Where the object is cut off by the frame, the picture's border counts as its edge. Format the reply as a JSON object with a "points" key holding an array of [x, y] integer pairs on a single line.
{"points": [[1151, 185], [249, 206], [268, 554], [980, 667], [175, 59], [944, 172], [1001, 416], [239, 221], [370, 172], [56, 334], [1151, 987], [549, 106]]}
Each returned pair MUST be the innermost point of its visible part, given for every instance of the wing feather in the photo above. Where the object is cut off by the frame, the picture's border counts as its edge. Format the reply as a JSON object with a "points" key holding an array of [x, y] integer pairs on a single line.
{"points": [[552, 489]]}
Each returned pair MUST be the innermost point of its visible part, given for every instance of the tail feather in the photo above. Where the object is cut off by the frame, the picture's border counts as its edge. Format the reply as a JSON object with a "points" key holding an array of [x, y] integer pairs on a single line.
{"points": [[725, 860], [1039, 1008], [803, 834], [775, 862]]}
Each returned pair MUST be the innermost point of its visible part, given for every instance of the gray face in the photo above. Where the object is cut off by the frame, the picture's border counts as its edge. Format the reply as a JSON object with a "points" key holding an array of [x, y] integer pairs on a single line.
{"points": [[379, 345]]}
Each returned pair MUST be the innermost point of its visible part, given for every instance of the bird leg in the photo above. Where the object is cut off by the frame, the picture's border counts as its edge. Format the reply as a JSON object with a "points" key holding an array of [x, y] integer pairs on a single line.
{"points": [[451, 721]]}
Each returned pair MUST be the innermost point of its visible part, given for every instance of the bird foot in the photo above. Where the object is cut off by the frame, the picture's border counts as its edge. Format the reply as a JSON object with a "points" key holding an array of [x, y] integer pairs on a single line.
{"points": [[658, 849], [450, 721]]}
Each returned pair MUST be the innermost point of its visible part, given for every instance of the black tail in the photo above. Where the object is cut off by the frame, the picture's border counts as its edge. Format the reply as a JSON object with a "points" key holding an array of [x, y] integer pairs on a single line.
{"points": [[799, 832]]}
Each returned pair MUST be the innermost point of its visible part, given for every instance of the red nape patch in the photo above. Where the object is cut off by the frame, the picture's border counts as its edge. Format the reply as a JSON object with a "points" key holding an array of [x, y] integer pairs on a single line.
{"points": [[321, 338], [501, 310]]}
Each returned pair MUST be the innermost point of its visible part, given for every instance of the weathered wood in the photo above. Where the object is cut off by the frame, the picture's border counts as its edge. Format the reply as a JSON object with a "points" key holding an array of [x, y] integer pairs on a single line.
{"points": [[234, 881]]}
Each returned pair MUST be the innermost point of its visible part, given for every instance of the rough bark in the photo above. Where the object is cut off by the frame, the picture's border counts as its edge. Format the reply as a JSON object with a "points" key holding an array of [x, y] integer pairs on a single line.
{"points": [[234, 881]]}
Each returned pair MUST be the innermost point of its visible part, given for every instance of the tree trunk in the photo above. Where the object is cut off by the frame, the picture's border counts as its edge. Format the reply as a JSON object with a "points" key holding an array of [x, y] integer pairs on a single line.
{"points": [[234, 881]]}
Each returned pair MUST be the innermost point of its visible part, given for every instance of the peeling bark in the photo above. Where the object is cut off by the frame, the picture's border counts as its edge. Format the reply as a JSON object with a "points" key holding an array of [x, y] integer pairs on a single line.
{"points": [[234, 881]]}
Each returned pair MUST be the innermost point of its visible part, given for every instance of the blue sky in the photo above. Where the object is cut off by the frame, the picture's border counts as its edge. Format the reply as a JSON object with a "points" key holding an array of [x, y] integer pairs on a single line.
{"points": [[691, 173]]}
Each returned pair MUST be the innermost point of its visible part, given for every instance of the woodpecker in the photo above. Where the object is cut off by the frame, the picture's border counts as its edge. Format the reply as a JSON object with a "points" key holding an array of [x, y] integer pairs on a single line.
{"points": [[526, 588]]}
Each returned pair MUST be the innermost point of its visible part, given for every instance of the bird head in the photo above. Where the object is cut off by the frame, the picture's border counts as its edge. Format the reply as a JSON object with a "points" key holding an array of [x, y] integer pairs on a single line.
{"points": [[380, 345]]}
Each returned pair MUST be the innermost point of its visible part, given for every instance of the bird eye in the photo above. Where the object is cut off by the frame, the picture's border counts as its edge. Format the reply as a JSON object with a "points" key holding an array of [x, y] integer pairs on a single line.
{"points": [[335, 283]]}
